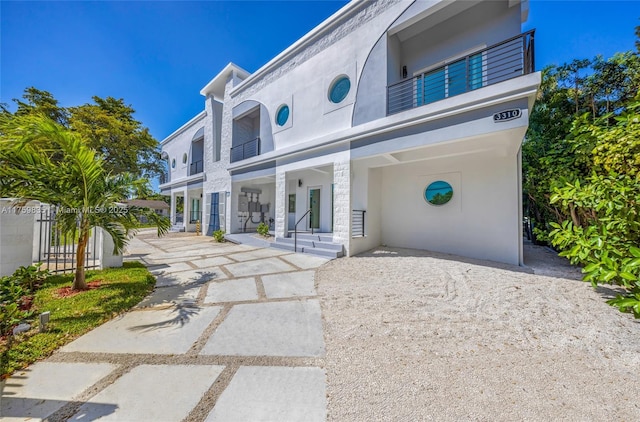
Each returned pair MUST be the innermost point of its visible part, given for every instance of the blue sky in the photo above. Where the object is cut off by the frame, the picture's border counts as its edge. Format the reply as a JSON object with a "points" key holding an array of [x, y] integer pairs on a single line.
{"points": [[157, 55]]}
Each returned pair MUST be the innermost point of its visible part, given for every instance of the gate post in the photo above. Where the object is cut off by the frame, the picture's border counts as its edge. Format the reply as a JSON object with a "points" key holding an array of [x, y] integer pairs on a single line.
{"points": [[107, 258], [16, 236]]}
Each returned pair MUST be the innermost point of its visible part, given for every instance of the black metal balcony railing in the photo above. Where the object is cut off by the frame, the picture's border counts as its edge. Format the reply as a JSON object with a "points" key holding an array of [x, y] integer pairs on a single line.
{"points": [[196, 167], [164, 178], [246, 150], [499, 62]]}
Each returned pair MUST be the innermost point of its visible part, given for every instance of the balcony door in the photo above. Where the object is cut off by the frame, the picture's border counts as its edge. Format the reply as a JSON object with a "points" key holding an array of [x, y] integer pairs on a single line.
{"points": [[452, 79]]}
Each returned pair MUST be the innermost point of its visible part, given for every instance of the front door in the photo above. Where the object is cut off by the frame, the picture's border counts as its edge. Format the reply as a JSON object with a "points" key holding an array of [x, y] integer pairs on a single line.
{"points": [[314, 205]]}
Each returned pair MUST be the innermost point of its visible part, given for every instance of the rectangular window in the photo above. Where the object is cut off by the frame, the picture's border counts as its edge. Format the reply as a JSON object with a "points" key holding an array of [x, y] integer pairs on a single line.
{"points": [[292, 202], [195, 210]]}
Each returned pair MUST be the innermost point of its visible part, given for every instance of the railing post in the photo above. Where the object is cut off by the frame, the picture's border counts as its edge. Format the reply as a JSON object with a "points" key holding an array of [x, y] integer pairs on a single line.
{"points": [[363, 223]]}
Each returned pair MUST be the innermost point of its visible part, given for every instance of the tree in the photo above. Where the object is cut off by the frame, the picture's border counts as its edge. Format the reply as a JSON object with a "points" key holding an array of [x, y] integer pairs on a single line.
{"points": [[38, 101], [581, 168], [42, 160], [107, 125], [109, 128]]}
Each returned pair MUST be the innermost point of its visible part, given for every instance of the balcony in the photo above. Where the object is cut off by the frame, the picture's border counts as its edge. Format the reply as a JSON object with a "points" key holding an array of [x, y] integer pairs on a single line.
{"points": [[506, 60], [196, 167], [245, 150]]}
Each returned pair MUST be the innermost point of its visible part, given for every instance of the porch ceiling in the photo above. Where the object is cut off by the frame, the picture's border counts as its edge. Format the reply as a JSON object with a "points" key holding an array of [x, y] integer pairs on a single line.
{"points": [[504, 143]]}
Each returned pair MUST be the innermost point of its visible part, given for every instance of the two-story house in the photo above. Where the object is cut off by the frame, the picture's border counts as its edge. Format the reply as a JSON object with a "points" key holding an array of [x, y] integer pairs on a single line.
{"points": [[393, 122]]}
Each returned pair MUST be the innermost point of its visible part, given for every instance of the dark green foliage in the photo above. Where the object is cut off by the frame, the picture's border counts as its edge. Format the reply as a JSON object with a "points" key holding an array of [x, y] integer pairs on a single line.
{"points": [[15, 291], [107, 125], [581, 169]]}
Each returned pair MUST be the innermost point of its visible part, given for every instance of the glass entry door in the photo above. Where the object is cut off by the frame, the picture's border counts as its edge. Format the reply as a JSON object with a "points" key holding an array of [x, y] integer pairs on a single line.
{"points": [[314, 205]]}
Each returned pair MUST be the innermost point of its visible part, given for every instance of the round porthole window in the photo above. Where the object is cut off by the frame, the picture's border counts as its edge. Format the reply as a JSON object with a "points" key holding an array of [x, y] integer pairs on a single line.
{"points": [[184, 158], [438, 193], [282, 115], [339, 89], [173, 163]]}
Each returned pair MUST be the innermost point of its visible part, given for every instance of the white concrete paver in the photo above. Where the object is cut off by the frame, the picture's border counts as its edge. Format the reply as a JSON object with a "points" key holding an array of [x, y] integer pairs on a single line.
{"points": [[192, 276], [258, 254], [289, 285], [273, 394], [168, 331], [305, 261], [211, 262], [171, 320], [262, 266], [181, 295], [35, 393], [232, 291], [148, 393], [269, 329]]}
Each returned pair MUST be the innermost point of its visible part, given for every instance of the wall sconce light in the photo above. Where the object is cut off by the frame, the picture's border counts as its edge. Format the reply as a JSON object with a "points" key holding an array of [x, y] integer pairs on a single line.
{"points": [[299, 183], [404, 72]]}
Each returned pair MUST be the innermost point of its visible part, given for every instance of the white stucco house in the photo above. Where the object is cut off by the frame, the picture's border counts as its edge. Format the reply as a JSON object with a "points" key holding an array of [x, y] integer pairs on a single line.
{"points": [[395, 122]]}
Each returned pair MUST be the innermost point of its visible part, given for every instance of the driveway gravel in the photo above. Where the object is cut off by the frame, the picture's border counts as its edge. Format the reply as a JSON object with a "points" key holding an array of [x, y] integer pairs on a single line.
{"points": [[413, 335]]}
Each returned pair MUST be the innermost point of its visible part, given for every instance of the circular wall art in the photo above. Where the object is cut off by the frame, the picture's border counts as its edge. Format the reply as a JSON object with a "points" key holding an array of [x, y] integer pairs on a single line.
{"points": [[173, 163], [184, 158], [282, 115], [339, 89], [438, 193]]}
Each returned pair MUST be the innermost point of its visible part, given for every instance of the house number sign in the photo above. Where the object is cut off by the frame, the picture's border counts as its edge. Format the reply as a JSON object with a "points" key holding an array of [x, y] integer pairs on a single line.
{"points": [[507, 115]]}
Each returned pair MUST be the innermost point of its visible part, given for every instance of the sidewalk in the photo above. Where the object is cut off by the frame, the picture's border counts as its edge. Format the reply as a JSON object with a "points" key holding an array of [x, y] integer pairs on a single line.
{"points": [[231, 333]]}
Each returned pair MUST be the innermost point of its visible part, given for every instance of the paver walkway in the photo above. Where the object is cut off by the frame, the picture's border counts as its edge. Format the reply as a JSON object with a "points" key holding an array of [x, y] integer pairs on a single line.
{"points": [[231, 333]]}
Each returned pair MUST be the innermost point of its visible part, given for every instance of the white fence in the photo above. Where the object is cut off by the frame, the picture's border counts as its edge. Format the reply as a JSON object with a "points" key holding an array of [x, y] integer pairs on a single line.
{"points": [[28, 235]]}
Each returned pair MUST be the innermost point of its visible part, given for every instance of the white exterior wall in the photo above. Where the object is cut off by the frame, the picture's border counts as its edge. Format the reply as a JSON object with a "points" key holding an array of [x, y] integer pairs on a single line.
{"points": [[480, 221], [304, 81], [456, 137], [476, 28], [178, 145], [16, 237], [366, 195]]}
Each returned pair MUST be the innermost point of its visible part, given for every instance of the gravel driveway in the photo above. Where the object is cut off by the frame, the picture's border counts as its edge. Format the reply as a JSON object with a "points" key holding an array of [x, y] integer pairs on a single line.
{"points": [[413, 335]]}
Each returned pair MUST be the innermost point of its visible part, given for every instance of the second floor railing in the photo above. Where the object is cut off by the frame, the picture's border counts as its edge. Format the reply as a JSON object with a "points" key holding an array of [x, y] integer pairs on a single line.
{"points": [[245, 150], [196, 167], [497, 63]]}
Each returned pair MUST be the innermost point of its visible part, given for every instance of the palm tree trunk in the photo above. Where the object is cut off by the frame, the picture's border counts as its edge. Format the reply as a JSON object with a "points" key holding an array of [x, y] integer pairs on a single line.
{"points": [[79, 282]]}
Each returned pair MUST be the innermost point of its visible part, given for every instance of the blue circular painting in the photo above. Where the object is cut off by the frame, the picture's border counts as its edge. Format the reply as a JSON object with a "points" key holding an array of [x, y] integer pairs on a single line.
{"points": [[340, 89], [438, 193], [282, 115], [173, 163]]}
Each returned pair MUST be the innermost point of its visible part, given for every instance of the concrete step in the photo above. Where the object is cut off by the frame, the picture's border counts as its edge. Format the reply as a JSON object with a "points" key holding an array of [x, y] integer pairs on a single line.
{"points": [[320, 237], [311, 243], [327, 253]]}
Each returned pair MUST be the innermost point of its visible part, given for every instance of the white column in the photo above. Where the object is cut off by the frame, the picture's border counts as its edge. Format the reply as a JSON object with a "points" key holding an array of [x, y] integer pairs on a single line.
{"points": [[281, 204], [173, 207], [187, 210], [342, 202]]}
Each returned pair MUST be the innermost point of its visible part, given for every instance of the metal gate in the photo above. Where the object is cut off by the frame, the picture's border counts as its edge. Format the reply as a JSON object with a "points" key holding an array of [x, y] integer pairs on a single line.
{"points": [[57, 250]]}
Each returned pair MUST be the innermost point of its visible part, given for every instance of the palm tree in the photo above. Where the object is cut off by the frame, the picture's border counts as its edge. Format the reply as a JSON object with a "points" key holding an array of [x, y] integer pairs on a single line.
{"points": [[41, 160]]}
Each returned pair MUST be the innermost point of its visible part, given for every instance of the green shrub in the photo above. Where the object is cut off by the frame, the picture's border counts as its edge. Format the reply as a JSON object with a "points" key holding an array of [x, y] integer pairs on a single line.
{"points": [[32, 276], [15, 295], [218, 235], [263, 229]]}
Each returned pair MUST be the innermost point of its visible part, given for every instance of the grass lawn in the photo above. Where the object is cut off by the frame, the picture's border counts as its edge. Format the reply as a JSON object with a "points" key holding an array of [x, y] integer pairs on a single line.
{"points": [[119, 290]]}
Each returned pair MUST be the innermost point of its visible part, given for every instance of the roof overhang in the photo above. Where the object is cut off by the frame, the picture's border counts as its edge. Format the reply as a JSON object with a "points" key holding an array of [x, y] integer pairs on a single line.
{"points": [[216, 86]]}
